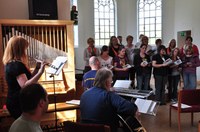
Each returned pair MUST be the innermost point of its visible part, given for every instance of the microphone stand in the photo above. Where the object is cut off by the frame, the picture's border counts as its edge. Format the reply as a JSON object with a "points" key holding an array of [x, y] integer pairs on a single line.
{"points": [[54, 90]]}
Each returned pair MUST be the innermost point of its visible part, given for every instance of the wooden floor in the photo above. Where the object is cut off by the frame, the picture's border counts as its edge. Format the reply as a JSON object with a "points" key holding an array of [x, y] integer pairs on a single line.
{"points": [[160, 122]]}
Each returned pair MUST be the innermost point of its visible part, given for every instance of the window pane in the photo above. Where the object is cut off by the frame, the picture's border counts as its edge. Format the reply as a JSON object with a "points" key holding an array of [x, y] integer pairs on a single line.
{"points": [[107, 41], [141, 21], [150, 18], [158, 13], [141, 14], [152, 27], [96, 21], [97, 35], [152, 13], [107, 22], [96, 14], [111, 28], [106, 28], [146, 8], [158, 20], [146, 14], [147, 21], [141, 28], [101, 35], [147, 28], [96, 28], [102, 42], [112, 34], [105, 17], [101, 22], [152, 40], [97, 42], [101, 15], [102, 29], [158, 34], [152, 34], [158, 27], [152, 7], [111, 22]]}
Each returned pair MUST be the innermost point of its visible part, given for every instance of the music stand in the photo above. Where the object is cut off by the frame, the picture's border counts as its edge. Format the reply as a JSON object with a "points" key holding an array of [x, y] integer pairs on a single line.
{"points": [[55, 69]]}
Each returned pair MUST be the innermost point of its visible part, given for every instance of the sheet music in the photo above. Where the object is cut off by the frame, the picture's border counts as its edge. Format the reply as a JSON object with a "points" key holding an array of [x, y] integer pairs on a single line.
{"points": [[178, 62], [122, 84], [57, 65], [168, 61], [152, 107], [146, 106], [76, 102], [183, 106], [128, 66]]}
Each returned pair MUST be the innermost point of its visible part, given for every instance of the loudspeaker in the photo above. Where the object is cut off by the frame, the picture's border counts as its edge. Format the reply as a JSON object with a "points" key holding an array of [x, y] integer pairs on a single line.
{"points": [[43, 9]]}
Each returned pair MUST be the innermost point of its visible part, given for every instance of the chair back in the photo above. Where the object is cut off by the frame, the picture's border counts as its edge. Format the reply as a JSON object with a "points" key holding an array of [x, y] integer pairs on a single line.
{"points": [[189, 97], [80, 127]]}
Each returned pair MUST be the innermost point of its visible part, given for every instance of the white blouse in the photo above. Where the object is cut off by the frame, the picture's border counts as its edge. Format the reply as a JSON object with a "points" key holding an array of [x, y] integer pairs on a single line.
{"points": [[105, 63]]}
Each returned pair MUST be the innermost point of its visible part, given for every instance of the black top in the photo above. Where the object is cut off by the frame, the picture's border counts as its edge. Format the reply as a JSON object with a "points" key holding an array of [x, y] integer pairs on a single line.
{"points": [[137, 64], [162, 71], [113, 52], [12, 70]]}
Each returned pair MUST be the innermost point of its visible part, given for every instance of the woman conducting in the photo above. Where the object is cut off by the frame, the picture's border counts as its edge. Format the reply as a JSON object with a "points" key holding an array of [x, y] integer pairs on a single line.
{"points": [[17, 73]]}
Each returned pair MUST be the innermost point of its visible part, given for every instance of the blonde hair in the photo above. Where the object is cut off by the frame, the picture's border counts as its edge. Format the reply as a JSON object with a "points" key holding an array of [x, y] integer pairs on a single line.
{"points": [[16, 50]]}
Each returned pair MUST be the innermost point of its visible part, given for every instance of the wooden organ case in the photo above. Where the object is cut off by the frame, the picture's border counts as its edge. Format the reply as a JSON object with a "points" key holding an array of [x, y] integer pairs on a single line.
{"points": [[47, 39]]}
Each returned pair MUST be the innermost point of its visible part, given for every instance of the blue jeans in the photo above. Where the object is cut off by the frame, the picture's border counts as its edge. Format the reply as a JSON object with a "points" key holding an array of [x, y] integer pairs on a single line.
{"points": [[143, 81], [190, 80]]}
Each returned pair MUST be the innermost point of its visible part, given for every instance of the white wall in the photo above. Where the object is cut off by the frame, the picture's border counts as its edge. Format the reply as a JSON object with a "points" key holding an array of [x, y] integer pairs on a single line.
{"points": [[187, 18], [168, 21], [18, 9], [86, 29], [126, 18]]}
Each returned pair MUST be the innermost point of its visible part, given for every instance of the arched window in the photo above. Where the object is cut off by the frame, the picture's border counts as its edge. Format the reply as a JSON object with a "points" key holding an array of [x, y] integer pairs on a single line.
{"points": [[104, 21], [150, 19]]}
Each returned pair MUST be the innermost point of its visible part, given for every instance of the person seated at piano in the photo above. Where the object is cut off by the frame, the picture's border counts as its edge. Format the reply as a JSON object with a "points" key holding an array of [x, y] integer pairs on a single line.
{"points": [[142, 63], [88, 77], [89, 52], [17, 73], [34, 103], [99, 105], [121, 69]]}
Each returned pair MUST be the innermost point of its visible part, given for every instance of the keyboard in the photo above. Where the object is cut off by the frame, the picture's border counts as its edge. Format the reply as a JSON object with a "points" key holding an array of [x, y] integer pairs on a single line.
{"points": [[133, 93]]}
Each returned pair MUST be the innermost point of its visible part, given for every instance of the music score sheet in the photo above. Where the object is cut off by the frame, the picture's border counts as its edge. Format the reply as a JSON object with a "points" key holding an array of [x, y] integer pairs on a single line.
{"points": [[146, 106], [183, 106], [74, 101], [57, 65], [122, 84]]}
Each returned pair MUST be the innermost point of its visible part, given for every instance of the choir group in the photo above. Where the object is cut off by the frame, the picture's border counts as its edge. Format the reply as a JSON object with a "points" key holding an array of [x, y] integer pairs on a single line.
{"points": [[167, 65]]}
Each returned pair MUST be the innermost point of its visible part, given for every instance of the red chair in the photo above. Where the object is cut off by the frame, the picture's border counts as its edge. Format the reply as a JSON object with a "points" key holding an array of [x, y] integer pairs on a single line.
{"points": [[79, 127], [188, 97]]}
